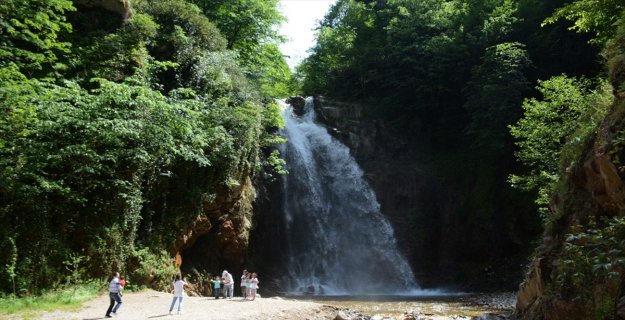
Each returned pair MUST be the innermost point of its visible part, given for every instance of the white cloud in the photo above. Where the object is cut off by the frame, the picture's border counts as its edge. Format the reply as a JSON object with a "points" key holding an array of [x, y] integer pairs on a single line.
{"points": [[302, 18]]}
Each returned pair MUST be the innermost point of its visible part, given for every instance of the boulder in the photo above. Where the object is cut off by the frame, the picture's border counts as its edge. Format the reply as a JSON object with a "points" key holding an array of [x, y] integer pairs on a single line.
{"points": [[298, 103], [342, 315], [121, 7], [409, 316]]}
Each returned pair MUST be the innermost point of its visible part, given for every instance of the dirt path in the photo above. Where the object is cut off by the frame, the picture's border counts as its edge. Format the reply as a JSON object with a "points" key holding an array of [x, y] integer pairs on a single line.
{"points": [[155, 305]]}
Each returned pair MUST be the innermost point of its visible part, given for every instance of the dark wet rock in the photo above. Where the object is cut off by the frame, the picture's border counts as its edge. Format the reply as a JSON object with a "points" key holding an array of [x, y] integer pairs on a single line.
{"points": [[399, 169], [501, 300], [298, 103], [490, 316], [122, 7], [620, 308]]}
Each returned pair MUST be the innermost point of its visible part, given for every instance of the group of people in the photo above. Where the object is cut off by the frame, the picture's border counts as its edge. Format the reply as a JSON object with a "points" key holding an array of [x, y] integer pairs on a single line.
{"points": [[249, 286]]}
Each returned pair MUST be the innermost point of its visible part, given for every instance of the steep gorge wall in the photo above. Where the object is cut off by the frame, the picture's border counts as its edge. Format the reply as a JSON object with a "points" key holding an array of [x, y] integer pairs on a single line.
{"points": [[594, 190], [448, 240], [578, 272]]}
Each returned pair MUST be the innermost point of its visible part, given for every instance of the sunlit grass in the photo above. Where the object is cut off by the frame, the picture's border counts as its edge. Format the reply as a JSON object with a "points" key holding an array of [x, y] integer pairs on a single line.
{"points": [[63, 299]]}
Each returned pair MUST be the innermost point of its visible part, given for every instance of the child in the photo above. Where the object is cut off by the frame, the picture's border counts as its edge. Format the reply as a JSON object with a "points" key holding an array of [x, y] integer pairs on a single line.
{"points": [[217, 284], [254, 285], [248, 285], [244, 284], [122, 284], [178, 293]]}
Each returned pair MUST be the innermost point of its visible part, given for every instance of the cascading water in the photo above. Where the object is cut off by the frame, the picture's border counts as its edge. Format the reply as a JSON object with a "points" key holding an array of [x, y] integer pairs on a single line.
{"points": [[338, 242]]}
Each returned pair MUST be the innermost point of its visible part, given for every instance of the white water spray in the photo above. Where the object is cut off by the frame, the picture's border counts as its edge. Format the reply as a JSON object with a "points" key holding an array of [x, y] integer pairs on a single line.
{"points": [[338, 240]]}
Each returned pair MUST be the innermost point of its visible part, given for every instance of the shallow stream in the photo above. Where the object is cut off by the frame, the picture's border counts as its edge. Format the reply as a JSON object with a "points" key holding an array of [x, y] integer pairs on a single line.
{"points": [[461, 306]]}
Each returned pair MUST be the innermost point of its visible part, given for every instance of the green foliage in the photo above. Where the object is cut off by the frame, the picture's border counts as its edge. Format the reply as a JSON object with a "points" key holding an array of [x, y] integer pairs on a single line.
{"points": [[590, 267], [271, 72], [183, 26], [250, 29], [66, 298], [245, 23], [113, 154], [336, 49], [10, 267], [29, 30], [553, 130], [494, 93], [75, 267], [593, 16], [272, 121], [274, 161], [113, 56], [155, 268]]}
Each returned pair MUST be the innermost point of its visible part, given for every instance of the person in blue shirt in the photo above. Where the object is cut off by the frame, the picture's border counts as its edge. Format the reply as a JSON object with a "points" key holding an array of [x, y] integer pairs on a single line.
{"points": [[217, 284], [114, 295]]}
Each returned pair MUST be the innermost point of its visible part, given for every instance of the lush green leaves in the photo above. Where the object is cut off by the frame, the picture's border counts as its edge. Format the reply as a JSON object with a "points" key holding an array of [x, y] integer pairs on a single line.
{"points": [[29, 30], [494, 93], [149, 121], [598, 17], [567, 114], [591, 265], [250, 29]]}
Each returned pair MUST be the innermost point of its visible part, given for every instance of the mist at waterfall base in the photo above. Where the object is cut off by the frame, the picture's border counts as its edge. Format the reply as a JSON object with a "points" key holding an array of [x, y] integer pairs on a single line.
{"points": [[337, 240]]}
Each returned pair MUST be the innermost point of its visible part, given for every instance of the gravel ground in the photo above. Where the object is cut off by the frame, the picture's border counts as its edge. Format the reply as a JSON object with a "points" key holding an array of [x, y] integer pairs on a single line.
{"points": [[155, 305]]}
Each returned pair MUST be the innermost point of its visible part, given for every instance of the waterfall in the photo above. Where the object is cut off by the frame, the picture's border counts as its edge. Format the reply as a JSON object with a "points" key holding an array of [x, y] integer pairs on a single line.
{"points": [[338, 241]]}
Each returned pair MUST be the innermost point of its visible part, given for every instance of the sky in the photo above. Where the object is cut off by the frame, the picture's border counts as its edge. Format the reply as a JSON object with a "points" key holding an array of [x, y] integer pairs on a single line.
{"points": [[302, 17]]}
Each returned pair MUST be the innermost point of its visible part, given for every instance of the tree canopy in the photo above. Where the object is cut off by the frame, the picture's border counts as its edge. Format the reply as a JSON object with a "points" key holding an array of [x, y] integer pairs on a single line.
{"points": [[113, 132]]}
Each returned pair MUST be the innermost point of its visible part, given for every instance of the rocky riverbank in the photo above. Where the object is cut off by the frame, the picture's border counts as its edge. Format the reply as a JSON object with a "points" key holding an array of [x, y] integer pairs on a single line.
{"points": [[491, 306]]}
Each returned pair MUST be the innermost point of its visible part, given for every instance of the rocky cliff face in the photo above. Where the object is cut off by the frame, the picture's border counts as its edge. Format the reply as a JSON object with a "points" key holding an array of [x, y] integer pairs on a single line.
{"points": [[578, 271], [593, 194], [219, 236], [447, 234]]}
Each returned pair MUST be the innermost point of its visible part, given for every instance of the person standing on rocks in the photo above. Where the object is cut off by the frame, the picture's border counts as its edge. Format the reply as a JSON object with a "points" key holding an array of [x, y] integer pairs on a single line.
{"points": [[114, 295], [244, 284]]}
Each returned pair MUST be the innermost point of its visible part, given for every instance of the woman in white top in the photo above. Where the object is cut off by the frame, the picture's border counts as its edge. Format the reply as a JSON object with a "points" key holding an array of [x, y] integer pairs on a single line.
{"points": [[178, 294], [254, 285]]}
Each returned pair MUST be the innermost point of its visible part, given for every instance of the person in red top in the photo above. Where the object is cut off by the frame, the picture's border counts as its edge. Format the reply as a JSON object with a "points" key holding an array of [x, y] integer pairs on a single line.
{"points": [[122, 284]]}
